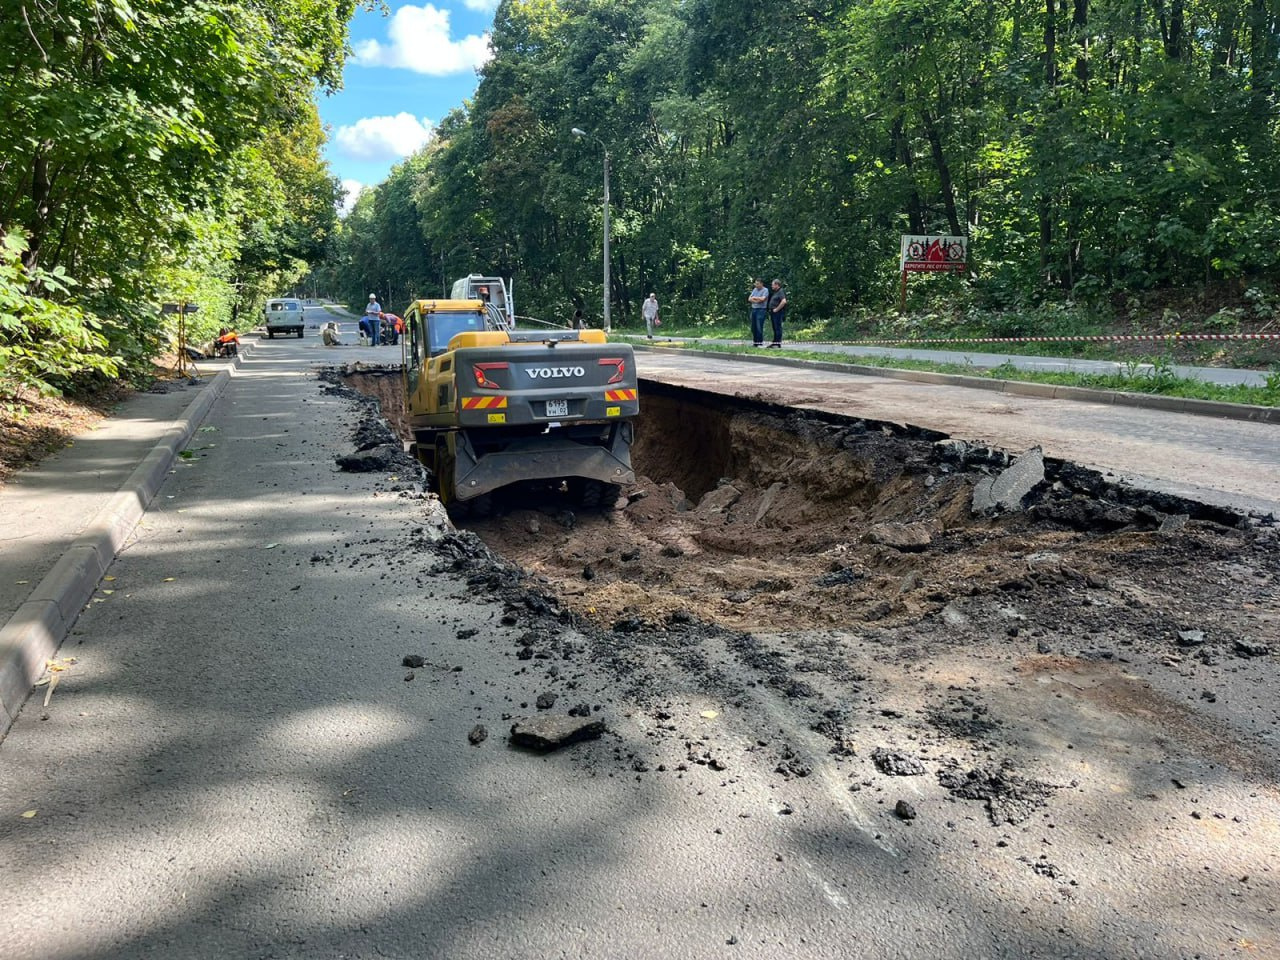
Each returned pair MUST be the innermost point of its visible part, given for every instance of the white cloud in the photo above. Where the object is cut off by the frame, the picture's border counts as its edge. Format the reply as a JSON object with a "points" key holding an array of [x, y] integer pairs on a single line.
{"points": [[383, 138], [481, 6], [353, 188], [418, 39]]}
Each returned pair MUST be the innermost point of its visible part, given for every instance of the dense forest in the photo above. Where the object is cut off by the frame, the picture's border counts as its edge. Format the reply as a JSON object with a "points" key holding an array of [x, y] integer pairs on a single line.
{"points": [[1088, 148], [162, 150], [152, 151]]}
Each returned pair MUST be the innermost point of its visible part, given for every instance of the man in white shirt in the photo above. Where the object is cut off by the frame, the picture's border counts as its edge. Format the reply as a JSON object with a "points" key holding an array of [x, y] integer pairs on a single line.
{"points": [[650, 311], [371, 314]]}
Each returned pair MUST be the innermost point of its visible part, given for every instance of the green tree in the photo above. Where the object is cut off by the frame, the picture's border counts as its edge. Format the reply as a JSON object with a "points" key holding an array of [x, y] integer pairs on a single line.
{"points": [[138, 135]]}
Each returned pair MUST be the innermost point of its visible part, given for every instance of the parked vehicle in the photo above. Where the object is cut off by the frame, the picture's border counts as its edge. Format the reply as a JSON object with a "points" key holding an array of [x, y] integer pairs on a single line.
{"points": [[284, 315]]}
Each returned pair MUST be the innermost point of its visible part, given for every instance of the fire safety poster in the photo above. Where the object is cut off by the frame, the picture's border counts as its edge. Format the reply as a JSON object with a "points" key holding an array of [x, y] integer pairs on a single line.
{"points": [[933, 254]]}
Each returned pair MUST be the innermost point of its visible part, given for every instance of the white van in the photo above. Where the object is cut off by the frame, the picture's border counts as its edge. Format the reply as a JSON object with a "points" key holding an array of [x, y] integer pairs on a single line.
{"points": [[284, 315]]}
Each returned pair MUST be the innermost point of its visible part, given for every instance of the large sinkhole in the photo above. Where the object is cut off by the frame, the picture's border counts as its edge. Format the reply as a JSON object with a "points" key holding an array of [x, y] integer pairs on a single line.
{"points": [[759, 516]]}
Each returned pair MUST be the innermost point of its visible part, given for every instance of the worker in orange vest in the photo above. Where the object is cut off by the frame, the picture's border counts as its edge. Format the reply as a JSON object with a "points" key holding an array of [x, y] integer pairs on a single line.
{"points": [[228, 343]]}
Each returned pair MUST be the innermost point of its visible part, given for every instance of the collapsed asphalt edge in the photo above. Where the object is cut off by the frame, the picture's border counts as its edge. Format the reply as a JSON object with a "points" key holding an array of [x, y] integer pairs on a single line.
{"points": [[36, 630], [1019, 388]]}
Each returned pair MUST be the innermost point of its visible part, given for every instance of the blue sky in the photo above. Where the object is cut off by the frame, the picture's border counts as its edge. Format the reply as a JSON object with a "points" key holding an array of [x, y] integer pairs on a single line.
{"points": [[407, 71]]}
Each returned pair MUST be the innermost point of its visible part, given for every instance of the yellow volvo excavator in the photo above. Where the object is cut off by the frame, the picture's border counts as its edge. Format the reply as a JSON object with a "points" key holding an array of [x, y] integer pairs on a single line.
{"points": [[491, 406]]}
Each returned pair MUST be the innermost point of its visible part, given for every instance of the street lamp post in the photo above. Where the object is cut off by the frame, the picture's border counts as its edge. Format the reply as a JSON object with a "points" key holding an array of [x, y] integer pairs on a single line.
{"points": [[578, 132]]}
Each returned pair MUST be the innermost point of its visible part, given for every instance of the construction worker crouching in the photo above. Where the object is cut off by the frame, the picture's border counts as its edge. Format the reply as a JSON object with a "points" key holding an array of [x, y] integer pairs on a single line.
{"points": [[392, 327], [227, 344]]}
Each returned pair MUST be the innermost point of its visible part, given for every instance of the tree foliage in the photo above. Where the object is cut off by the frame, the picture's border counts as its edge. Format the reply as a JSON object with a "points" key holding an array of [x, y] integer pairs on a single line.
{"points": [[42, 342], [1084, 146], [155, 149]]}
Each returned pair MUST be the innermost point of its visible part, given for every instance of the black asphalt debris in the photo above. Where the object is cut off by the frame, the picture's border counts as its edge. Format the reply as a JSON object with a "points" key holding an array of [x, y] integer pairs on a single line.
{"points": [[893, 764], [548, 733], [1008, 798]]}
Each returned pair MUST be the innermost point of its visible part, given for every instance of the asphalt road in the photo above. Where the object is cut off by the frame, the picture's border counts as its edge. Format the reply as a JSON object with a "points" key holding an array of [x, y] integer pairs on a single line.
{"points": [[235, 765]]}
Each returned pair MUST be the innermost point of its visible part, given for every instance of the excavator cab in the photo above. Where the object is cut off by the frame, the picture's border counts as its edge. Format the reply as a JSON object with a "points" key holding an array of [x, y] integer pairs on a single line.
{"points": [[443, 325]]}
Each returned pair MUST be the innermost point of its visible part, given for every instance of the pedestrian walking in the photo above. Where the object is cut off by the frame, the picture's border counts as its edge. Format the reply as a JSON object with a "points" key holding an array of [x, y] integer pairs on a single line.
{"points": [[758, 301], [777, 311], [372, 311], [650, 311]]}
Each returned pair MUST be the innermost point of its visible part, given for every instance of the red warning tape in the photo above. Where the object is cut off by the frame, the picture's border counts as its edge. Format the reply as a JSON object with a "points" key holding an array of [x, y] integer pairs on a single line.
{"points": [[1118, 338]]}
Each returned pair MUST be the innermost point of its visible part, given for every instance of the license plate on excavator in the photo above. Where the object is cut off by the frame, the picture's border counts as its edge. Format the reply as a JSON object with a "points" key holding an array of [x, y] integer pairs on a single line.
{"points": [[557, 408]]}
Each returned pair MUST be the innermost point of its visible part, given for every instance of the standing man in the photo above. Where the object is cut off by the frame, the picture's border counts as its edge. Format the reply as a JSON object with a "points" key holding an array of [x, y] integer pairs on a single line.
{"points": [[758, 300], [777, 311], [372, 312], [650, 312]]}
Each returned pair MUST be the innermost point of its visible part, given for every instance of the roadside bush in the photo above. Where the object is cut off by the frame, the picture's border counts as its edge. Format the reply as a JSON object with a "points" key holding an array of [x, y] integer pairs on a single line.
{"points": [[43, 343]]}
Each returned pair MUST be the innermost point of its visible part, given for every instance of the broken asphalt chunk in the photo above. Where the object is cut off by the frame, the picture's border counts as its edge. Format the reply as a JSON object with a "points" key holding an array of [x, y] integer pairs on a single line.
{"points": [[379, 459], [1008, 798], [1251, 648], [548, 733], [893, 764], [374, 433], [1007, 491], [1190, 638]]}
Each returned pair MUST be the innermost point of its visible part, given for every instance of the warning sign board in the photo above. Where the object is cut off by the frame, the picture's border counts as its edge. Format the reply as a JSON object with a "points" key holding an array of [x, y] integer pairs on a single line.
{"points": [[922, 254]]}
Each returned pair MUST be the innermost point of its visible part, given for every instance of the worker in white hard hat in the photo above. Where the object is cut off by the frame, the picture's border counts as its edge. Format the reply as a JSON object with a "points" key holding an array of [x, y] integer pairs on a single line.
{"points": [[371, 316]]}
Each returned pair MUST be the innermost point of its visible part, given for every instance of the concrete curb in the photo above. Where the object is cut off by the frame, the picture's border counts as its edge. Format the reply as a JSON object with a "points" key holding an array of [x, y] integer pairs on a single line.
{"points": [[1017, 388], [33, 634]]}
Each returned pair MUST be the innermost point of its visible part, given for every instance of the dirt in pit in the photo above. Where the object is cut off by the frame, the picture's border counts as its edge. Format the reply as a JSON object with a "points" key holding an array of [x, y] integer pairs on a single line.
{"points": [[757, 517]]}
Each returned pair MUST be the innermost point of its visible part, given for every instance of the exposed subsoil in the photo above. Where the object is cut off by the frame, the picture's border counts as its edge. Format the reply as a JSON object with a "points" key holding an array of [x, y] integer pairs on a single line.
{"points": [[790, 597]]}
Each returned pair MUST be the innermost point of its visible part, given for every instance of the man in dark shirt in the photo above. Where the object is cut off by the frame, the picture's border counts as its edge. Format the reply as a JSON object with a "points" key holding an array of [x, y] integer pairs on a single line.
{"points": [[777, 311]]}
